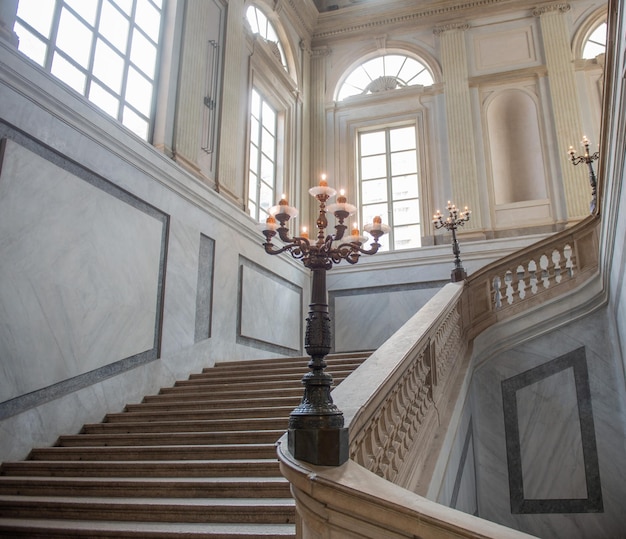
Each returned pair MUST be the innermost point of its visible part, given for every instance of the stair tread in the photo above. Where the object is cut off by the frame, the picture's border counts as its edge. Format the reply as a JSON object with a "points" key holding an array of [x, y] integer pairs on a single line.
{"points": [[118, 500], [253, 530]]}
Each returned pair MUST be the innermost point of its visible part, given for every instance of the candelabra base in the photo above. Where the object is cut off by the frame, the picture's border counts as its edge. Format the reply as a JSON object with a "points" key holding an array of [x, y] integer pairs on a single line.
{"points": [[457, 275], [322, 447]]}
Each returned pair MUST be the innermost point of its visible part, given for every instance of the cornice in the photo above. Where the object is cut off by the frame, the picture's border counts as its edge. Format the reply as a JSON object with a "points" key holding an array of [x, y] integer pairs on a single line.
{"points": [[377, 17], [451, 26]]}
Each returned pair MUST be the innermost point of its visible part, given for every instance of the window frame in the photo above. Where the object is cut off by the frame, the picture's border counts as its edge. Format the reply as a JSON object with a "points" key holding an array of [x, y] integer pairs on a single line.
{"points": [[389, 219], [119, 97]]}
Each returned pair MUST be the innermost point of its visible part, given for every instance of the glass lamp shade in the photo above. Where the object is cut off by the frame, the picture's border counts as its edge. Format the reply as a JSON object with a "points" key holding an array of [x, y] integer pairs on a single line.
{"points": [[283, 209], [322, 190], [341, 206]]}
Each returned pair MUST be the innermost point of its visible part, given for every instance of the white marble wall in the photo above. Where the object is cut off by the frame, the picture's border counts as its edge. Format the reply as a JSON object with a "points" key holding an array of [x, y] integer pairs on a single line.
{"points": [[79, 267], [557, 499]]}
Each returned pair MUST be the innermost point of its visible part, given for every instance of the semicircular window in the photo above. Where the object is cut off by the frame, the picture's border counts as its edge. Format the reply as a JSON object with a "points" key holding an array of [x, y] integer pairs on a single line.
{"points": [[262, 26], [387, 72], [596, 42]]}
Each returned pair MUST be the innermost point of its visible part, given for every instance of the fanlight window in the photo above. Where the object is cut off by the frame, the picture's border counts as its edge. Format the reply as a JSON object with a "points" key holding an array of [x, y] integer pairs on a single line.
{"points": [[596, 43], [261, 25], [386, 72]]}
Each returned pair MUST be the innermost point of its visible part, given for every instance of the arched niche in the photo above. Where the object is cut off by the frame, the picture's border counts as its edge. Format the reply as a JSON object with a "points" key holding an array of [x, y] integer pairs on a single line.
{"points": [[515, 147]]}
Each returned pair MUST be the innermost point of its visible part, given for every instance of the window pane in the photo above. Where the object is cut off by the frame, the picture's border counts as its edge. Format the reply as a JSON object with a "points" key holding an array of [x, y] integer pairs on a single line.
{"points": [[254, 131], [406, 212], [403, 163], [373, 167], [139, 92], [114, 26], [407, 237], [135, 123], [374, 191], [149, 19], [372, 143], [267, 170], [372, 210], [266, 196], [143, 53], [37, 14], [254, 157], [393, 64], [68, 73], [252, 209], [402, 139], [104, 99], [31, 46], [85, 8], [125, 5], [268, 144], [374, 68], [269, 118], [74, 38], [252, 185], [108, 66], [404, 187]]}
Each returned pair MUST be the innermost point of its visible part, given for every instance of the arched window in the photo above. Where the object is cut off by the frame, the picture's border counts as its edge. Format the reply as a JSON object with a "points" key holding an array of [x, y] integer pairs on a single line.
{"points": [[262, 26], [106, 51], [386, 72], [596, 42]]}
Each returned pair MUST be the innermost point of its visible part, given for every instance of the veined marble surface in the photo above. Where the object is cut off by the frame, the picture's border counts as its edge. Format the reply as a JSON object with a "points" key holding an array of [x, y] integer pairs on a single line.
{"points": [[79, 274]]}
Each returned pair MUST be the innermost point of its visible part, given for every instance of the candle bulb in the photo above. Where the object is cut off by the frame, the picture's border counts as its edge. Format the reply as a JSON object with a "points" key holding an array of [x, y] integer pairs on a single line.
{"points": [[305, 233], [270, 222], [377, 222], [341, 199], [283, 200], [571, 151], [323, 182], [355, 229]]}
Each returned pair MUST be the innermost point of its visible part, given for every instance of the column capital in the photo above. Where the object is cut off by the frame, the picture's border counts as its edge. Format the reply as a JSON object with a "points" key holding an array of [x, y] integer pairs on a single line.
{"points": [[561, 7], [463, 26]]}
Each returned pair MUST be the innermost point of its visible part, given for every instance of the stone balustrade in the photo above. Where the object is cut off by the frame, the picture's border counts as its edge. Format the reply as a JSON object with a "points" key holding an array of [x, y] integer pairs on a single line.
{"points": [[399, 403]]}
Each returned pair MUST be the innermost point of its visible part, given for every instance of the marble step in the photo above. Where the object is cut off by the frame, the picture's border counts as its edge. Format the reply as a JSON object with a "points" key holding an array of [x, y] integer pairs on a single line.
{"points": [[227, 393], [332, 359], [140, 412], [250, 404], [223, 510], [283, 373], [166, 439], [142, 468], [172, 452], [157, 487], [86, 529], [164, 425], [241, 382]]}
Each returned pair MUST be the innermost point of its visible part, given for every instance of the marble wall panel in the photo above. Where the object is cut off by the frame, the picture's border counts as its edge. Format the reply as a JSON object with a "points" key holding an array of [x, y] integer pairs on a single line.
{"points": [[511, 48], [270, 307], [364, 318], [81, 274], [540, 373], [204, 294]]}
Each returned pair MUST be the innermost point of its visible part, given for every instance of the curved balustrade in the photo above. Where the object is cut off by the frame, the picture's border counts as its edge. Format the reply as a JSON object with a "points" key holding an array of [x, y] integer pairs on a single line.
{"points": [[399, 403]]}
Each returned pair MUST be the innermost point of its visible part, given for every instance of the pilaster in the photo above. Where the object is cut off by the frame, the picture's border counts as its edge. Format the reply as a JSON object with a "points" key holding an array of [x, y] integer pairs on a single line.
{"points": [[565, 104], [317, 94], [461, 144], [8, 9]]}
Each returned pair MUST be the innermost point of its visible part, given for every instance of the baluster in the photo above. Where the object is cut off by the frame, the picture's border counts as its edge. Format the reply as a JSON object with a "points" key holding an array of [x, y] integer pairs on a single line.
{"points": [[569, 260], [497, 295], [556, 259], [521, 284], [532, 270], [545, 275], [508, 280]]}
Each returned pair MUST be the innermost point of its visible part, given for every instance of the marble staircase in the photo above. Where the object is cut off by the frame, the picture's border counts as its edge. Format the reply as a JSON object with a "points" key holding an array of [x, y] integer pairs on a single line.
{"points": [[198, 460]]}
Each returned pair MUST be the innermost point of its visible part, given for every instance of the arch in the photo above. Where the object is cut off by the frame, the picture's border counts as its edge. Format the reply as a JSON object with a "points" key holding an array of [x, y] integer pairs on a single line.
{"points": [[391, 75], [585, 31], [514, 134], [264, 22]]}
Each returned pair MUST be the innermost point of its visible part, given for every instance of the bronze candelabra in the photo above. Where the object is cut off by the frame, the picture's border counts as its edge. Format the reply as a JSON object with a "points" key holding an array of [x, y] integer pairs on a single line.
{"points": [[316, 433], [454, 220], [588, 159]]}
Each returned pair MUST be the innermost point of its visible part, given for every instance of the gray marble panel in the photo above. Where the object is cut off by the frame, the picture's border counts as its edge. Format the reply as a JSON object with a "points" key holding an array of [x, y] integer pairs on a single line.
{"points": [[464, 491], [80, 277], [269, 310], [364, 318], [204, 294], [550, 438]]}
